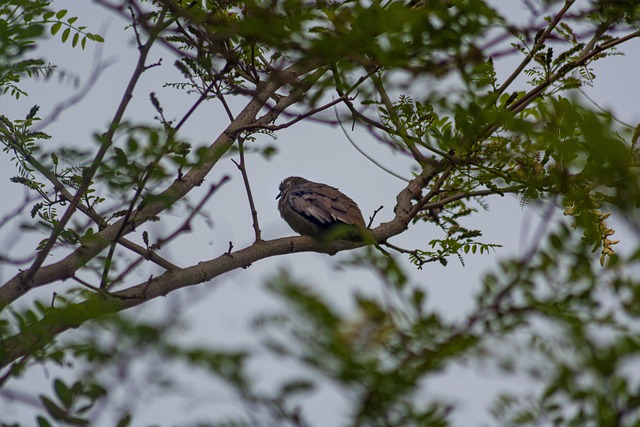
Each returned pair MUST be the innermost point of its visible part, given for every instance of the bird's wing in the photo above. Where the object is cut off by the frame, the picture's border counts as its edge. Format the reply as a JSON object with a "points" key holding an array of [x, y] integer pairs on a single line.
{"points": [[344, 209], [312, 204], [324, 204]]}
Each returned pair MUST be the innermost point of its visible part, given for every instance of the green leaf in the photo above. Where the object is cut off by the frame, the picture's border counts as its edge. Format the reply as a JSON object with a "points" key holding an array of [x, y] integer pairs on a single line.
{"points": [[65, 35], [54, 410], [63, 392], [55, 28], [61, 14], [76, 37], [124, 421], [42, 422], [418, 298], [555, 241]]}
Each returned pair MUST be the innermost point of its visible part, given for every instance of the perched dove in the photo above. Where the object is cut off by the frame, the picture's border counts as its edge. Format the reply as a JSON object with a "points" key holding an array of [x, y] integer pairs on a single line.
{"points": [[314, 209]]}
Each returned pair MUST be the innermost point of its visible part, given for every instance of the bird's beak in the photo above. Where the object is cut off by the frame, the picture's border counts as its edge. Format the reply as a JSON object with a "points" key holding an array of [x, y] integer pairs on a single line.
{"points": [[279, 195]]}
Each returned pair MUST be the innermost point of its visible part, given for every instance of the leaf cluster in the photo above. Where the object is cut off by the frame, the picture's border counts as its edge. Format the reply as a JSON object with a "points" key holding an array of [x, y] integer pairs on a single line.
{"points": [[22, 25], [421, 77]]}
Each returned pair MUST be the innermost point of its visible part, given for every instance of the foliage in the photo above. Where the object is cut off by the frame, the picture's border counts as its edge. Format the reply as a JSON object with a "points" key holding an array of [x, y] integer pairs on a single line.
{"points": [[22, 24], [421, 77]]}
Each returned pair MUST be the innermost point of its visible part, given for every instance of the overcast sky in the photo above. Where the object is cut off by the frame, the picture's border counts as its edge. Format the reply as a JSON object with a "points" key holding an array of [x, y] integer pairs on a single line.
{"points": [[219, 312]]}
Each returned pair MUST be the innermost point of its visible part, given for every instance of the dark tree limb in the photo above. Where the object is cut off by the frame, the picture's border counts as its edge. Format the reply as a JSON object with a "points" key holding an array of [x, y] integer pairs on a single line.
{"points": [[65, 268], [60, 320]]}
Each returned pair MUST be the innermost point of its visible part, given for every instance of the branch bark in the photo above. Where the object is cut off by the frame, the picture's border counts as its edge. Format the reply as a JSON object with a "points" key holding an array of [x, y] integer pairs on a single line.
{"points": [[65, 268], [62, 319]]}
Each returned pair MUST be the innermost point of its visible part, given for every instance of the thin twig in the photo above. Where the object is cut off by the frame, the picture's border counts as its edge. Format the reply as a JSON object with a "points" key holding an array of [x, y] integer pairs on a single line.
{"points": [[122, 275], [295, 95], [186, 225], [539, 233], [85, 284], [17, 211], [400, 130], [98, 69], [343, 97], [365, 154], [225, 105], [4, 259], [242, 166], [14, 369], [414, 252], [372, 217], [297, 118], [142, 182], [604, 110], [470, 194], [88, 211], [200, 99], [148, 254], [89, 173], [539, 43]]}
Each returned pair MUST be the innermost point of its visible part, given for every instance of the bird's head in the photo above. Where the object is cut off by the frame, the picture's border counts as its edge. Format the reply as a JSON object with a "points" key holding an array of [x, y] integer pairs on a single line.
{"points": [[288, 183]]}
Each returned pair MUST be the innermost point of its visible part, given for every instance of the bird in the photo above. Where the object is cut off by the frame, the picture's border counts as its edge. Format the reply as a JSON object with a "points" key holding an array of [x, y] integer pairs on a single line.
{"points": [[318, 210]]}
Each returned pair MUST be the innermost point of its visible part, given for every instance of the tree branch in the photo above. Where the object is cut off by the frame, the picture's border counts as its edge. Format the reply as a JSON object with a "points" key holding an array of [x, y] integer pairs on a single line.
{"points": [[65, 268], [61, 319], [536, 47], [242, 167], [186, 225], [107, 138], [88, 211]]}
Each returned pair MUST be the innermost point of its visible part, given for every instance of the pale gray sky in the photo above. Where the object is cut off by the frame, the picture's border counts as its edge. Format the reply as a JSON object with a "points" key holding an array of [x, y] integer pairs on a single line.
{"points": [[219, 313]]}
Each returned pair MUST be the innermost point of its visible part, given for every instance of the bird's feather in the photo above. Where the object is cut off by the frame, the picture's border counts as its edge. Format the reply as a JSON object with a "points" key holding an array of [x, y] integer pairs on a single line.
{"points": [[311, 207]]}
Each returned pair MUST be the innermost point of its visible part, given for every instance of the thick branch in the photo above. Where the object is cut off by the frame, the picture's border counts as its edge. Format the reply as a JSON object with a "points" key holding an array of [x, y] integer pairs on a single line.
{"points": [[18, 285], [60, 320]]}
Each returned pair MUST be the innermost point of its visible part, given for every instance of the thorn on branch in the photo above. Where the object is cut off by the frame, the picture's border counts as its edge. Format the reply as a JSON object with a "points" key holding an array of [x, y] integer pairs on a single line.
{"points": [[230, 248]]}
